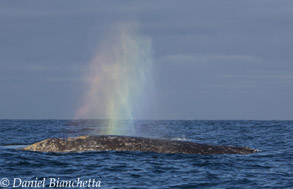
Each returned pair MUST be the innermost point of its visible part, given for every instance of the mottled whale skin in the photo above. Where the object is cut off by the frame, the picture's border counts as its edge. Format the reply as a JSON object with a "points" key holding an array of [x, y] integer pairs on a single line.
{"points": [[127, 143]]}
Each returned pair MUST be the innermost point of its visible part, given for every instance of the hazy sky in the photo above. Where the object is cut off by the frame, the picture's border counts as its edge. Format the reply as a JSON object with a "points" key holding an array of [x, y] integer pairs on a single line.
{"points": [[212, 59]]}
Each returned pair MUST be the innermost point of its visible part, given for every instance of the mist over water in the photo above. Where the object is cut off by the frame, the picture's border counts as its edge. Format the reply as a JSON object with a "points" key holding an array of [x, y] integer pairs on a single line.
{"points": [[117, 77]]}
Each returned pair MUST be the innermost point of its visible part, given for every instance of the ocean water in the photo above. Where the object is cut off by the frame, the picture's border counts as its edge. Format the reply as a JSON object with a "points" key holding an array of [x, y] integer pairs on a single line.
{"points": [[271, 167]]}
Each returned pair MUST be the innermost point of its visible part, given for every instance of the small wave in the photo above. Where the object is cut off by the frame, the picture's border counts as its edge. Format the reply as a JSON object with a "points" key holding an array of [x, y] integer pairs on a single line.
{"points": [[14, 146], [180, 139]]}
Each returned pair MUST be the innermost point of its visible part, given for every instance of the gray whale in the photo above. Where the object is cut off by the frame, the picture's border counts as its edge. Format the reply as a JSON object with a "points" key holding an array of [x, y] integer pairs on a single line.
{"points": [[127, 143]]}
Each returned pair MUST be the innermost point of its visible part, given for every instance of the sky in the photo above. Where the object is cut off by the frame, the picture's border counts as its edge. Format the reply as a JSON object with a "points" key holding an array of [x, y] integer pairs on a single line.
{"points": [[211, 59]]}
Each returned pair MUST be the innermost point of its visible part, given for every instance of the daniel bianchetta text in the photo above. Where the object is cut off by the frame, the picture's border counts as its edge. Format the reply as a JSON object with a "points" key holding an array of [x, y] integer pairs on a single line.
{"points": [[55, 182]]}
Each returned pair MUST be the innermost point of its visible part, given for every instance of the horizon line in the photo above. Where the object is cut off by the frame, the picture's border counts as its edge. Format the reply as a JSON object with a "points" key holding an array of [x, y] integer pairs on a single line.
{"points": [[162, 119]]}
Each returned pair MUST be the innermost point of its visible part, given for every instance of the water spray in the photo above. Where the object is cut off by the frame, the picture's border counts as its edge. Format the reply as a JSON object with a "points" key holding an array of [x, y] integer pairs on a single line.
{"points": [[117, 77]]}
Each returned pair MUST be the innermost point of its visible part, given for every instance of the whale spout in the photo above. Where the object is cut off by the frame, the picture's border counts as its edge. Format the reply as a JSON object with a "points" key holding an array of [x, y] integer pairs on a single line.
{"points": [[127, 143]]}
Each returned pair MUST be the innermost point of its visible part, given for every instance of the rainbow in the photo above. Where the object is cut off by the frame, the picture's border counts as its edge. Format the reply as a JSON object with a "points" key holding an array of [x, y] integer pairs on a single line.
{"points": [[116, 78]]}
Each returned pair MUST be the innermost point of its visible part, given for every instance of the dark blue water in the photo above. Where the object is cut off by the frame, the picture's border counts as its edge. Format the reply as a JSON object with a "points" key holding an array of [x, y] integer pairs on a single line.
{"points": [[270, 168]]}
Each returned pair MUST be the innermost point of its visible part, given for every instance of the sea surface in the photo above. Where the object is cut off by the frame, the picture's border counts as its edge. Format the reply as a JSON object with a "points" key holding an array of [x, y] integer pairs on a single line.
{"points": [[271, 167]]}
